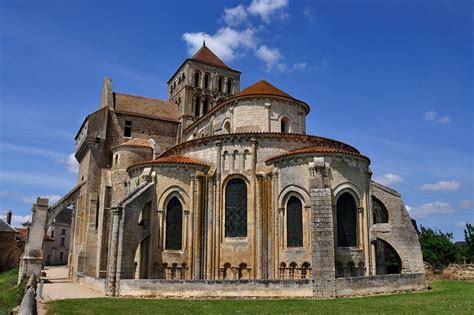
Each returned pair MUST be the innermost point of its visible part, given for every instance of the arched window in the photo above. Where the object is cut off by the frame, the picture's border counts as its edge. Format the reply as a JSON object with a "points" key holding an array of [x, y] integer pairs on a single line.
{"points": [[206, 81], [294, 222], [236, 208], [220, 83], [346, 212], [197, 78], [197, 106], [285, 124], [174, 224], [226, 127], [229, 85], [205, 106], [379, 212]]}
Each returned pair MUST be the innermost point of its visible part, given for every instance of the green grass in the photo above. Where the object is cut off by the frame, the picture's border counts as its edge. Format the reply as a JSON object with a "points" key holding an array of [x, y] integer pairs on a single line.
{"points": [[8, 290], [446, 297]]}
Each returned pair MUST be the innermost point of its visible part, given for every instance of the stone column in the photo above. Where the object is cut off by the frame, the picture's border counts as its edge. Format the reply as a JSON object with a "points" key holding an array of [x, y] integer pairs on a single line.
{"points": [[32, 258], [113, 251], [258, 227], [322, 228]]}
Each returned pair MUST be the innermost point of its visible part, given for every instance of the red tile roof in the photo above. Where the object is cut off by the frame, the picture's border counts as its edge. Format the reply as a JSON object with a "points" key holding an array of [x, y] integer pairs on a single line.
{"points": [[174, 159], [323, 148], [263, 87], [146, 106], [135, 142], [205, 55]]}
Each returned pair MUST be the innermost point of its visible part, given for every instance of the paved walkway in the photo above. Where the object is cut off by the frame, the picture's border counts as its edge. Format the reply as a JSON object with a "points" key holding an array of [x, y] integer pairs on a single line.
{"points": [[58, 287]]}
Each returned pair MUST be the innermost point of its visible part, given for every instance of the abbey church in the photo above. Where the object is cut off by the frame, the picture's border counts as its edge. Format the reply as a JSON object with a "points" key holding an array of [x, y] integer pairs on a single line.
{"points": [[219, 191]]}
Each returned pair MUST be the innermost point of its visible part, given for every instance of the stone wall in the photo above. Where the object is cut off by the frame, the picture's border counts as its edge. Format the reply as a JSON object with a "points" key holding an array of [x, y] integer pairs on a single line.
{"points": [[10, 250], [380, 284], [216, 288], [92, 282], [459, 272]]}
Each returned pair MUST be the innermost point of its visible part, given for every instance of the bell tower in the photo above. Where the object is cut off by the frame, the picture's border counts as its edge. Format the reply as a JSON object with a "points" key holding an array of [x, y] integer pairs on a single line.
{"points": [[201, 83]]}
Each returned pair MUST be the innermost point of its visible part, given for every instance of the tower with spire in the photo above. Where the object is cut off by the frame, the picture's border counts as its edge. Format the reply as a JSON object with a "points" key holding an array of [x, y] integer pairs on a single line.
{"points": [[200, 83]]}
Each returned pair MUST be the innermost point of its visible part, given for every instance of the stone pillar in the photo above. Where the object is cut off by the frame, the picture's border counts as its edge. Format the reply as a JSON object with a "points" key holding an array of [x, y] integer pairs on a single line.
{"points": [[113, 251], [32, 258], [322, 228]]}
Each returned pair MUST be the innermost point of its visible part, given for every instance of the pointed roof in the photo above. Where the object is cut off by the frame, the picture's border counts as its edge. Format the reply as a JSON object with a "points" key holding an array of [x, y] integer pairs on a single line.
{"points": [[205, 55], [263, 87]]}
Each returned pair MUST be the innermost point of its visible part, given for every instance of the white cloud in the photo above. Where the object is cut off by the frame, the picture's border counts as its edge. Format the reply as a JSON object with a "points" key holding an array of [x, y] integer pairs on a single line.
{"points": [[461, 224], [224, 43], [52, 199], [441, 186], [17, 220], [271, 56], [308, 13], [466, 204], [408, 208], [71, 164], [268, 9], [436, 207], [235, 16], [27, 199], [389, 179], [436, 117]]}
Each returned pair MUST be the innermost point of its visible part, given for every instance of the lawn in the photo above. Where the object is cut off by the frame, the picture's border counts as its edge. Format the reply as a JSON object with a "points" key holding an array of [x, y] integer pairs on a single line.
{"points": [[8, 290], [446, 297]]}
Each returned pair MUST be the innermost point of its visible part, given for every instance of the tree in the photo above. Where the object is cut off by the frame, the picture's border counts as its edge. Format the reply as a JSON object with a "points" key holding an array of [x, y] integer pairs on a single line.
{"points": [[437, 248], [469, 247]]}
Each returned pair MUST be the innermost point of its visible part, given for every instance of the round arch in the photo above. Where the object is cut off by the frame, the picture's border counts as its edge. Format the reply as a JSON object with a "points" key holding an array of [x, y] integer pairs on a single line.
{"points": [[293, 190]]}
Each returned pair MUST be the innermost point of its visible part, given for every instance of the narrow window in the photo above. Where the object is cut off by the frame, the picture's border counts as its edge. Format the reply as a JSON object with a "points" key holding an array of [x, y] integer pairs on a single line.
{"points": [[285, 124], [205, 106], [294, 223], [206, 81], [236, 208], [63, 232], [197, 106], [229, 86], [61, 256], [127, 132], [346, 221], [220, 83], [226, 127], [197, 78], [174, 224], [62, 241]]}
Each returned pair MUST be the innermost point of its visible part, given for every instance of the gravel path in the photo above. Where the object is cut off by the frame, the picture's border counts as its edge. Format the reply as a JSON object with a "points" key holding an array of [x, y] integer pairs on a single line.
{"points": [[58, 287]]}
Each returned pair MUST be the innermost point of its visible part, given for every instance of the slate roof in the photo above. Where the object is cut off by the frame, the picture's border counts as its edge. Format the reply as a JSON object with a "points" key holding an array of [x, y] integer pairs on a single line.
{"points": [[145, 106], [5, 227]]}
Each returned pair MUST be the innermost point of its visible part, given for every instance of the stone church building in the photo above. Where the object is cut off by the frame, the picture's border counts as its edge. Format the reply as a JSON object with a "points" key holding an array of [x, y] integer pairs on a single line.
{"points": [[219, 191]]}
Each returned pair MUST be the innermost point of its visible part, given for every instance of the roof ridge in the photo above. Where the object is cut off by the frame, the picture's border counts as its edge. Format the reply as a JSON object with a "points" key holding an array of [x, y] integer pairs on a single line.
{"points": [[145, 97]]}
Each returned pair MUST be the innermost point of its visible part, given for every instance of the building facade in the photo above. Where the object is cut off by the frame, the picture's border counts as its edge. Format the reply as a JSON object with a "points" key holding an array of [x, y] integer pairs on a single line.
{"points": [[222, 184], [56, 248]]}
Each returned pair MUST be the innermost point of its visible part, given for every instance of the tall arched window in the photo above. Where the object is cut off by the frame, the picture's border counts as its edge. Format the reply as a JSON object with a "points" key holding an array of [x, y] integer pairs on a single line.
{"points": [[197, 78], [229, 85], [236, 208], [205, 106], [206, 81], [226, 127], [285, 124], [197, 106], [346, 211], [379, 212], [174, 224], [220, 83], [294, 223]]}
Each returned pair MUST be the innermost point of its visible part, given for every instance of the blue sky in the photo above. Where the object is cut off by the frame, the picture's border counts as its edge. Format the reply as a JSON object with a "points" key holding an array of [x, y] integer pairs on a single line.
{"points": [[392, 78]]}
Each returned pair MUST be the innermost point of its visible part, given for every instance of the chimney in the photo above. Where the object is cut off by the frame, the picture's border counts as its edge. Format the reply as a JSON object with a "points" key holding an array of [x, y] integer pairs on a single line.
{"points": [[9, 217]]}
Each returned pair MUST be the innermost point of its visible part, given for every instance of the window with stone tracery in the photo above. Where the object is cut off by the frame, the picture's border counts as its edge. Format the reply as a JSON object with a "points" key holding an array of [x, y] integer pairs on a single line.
{"points": [[379, 212], [236, 208]]}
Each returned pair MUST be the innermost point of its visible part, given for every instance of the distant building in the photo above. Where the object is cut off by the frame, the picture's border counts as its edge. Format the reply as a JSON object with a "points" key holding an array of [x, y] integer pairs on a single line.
{"points": [[10, 248], [56, 245]]}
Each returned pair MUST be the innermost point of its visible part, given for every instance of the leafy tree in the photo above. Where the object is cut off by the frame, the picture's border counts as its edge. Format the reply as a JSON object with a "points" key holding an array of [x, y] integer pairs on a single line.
{"points": [[469, 247], [437, 248]]}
